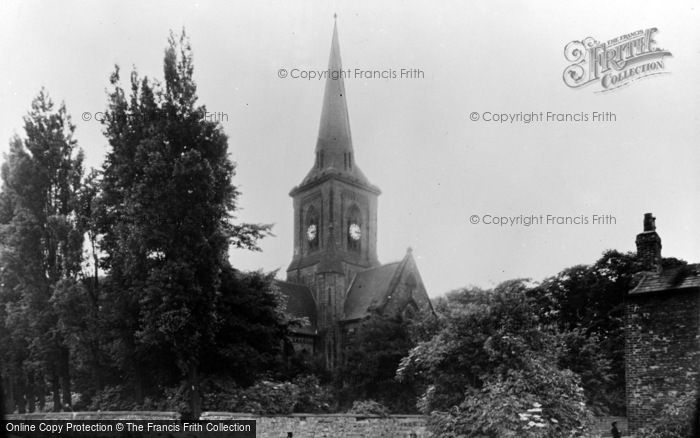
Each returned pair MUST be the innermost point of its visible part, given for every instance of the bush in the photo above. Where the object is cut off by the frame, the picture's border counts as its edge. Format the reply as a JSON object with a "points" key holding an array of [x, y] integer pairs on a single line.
{"points": [[176, 399], [368, 407], [675, 420], [266, 397], [492, 370], [113, 398], [303, 394], [313, 398]]}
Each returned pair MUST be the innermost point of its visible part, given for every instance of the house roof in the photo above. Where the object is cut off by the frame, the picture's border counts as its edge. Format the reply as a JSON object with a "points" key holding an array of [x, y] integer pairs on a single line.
{"points": [[300, 304], [679, 277], [369, 289]]}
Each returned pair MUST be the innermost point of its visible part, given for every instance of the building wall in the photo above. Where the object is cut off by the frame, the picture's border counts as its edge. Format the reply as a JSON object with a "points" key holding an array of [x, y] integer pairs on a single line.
{"points": [[662, 351]]}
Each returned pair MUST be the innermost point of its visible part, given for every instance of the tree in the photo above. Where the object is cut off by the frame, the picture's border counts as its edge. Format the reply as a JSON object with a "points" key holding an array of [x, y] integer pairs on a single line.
{"points": [[41, 247], [587, 303], [492, 369], [167, 224], [250, 333], [372, 355]]}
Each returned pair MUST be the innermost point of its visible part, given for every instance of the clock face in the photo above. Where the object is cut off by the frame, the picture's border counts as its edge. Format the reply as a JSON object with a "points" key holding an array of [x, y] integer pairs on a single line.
{"points": [[355, 231], [311, 232]]}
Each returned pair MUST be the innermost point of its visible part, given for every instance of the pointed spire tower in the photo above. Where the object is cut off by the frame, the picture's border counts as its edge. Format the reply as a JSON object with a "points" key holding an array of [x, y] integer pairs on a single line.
{"points": [[335, 238], [334, 151], [335, 206], [334, 138]]}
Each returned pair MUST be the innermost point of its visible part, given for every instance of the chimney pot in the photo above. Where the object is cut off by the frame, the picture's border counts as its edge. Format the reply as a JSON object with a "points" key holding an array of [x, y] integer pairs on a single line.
{"points": [[649, 222]]}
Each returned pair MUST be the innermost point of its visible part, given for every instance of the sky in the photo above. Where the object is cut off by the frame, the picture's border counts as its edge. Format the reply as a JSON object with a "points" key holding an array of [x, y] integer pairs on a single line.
{"points": [[414, 138]]}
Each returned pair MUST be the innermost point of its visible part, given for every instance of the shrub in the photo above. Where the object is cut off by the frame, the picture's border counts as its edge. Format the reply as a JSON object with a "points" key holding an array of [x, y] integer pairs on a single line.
{"points": [[674, 421], [113, 398], [313, 398], [368, 407]]}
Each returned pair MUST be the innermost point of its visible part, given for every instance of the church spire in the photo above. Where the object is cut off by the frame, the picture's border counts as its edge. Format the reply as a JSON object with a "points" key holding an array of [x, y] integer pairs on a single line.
{"points": [[334, 146], [334, 152]]}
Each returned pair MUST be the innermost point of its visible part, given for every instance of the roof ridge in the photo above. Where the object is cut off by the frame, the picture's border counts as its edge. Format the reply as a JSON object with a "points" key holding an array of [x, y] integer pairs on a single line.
{"points": [[381, 266]]}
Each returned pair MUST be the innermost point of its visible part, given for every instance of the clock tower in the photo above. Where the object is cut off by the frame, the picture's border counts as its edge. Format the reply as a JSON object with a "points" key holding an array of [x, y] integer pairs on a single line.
{"points": [[335, 216]]}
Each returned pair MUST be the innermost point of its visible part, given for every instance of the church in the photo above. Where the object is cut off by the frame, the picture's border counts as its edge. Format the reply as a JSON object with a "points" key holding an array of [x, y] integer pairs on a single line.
{"points": [[335, 281]]}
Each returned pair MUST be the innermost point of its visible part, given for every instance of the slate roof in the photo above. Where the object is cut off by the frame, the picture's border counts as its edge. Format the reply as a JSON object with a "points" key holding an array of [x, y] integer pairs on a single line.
{"points": [[368, 289], [679, 277], [300, 304]]}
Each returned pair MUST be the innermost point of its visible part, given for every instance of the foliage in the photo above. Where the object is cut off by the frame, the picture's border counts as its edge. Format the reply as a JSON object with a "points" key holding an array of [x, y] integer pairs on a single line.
{"points": [[167, 206], [521, 404], [373, 353], [492, 369], [304, 394], [41, 247], [313, 397], [267, 397], [586, 302], [368, 407], [264, 397], [118, 285], [249, 330], [675, 420], [112, 398]]}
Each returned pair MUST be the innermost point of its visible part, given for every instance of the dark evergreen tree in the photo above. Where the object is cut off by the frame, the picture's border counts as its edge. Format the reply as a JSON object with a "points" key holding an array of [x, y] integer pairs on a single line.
{"points": [[167, 224]]}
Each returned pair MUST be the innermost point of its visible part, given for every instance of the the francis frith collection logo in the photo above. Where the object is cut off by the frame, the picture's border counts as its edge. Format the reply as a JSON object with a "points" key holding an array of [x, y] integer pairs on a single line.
{"points": [[616, 62]]}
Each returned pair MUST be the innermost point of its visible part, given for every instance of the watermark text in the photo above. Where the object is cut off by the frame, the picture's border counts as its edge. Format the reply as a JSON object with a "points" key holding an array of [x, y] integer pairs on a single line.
{"points": [[529, 220]]}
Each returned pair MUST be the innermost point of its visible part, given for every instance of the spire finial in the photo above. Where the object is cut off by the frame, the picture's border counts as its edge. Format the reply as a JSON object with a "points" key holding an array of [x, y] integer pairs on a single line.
{"points": [[335, 16]]}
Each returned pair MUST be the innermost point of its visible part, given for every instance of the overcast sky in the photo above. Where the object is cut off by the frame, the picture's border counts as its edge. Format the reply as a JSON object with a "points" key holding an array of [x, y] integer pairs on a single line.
{"points": [[412, 137]]}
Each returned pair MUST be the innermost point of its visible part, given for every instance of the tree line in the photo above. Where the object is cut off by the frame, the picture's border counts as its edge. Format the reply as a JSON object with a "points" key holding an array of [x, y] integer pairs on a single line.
{"points": [[119, 278]]}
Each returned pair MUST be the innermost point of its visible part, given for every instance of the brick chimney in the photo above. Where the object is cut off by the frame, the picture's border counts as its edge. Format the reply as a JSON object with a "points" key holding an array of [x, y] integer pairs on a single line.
{"points": [[649, 245]]}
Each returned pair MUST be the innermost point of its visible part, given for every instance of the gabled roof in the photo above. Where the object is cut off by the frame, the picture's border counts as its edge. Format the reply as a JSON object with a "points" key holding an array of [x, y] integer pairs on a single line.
{"points": [[300, 304], [676, 278], [368, 289]]}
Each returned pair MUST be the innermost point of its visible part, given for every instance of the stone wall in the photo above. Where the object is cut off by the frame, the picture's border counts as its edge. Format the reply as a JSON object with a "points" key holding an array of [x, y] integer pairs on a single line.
{"points": [[97, 415], [602, 426], [662, 351], [300, 425], [331, 425]]}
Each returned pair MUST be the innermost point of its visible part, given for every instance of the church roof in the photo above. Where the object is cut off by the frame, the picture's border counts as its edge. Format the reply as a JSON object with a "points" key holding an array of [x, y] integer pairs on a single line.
{"points": [[300, 304], [679, 277], [368, 290], [334, 150]]}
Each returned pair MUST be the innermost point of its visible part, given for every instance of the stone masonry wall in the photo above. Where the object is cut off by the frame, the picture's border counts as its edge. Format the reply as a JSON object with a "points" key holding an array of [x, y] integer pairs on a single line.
{"points": [[300, 425], [662, 351], [331, 426]]}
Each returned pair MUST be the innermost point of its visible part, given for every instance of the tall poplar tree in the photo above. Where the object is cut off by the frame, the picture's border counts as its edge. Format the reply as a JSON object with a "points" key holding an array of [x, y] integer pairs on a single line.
{"points": [[168, 201], [41, 247]]}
